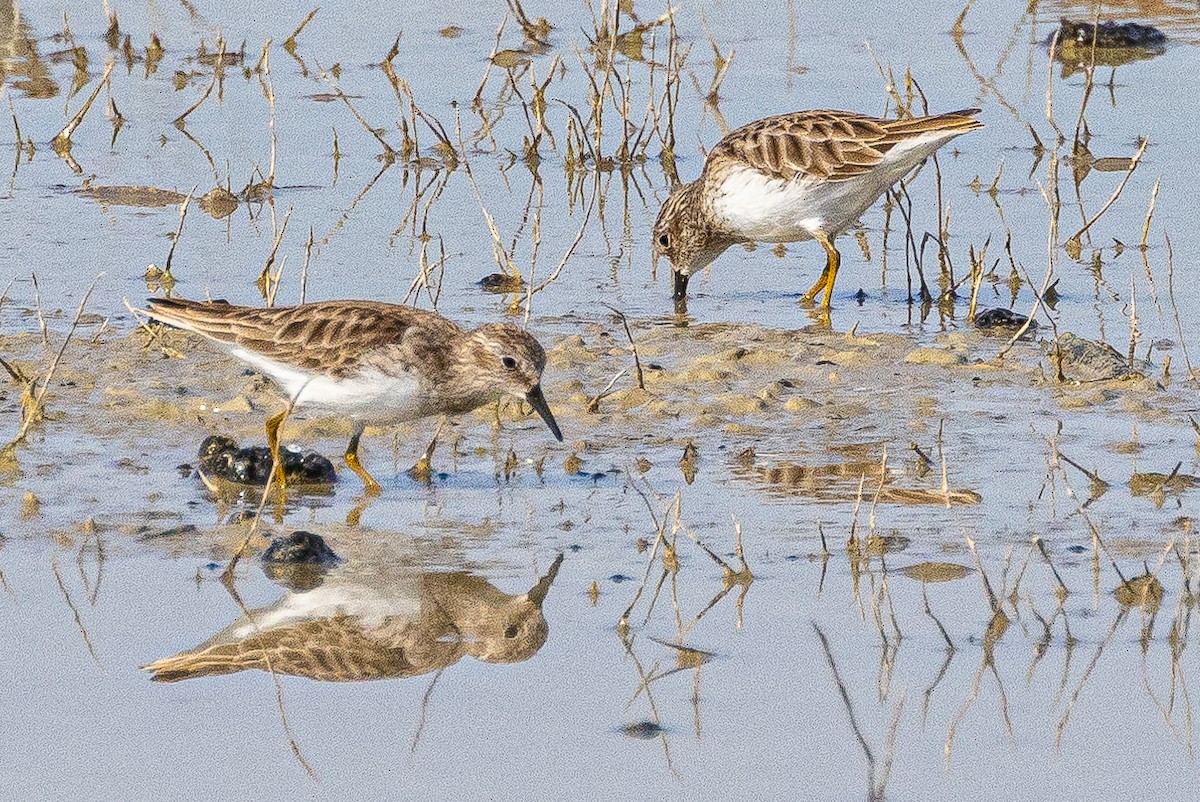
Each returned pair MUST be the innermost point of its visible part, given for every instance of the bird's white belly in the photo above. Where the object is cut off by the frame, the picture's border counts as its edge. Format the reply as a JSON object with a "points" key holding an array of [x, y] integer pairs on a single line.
{"points": [[370, 606], [371, 395], [764, 209]]}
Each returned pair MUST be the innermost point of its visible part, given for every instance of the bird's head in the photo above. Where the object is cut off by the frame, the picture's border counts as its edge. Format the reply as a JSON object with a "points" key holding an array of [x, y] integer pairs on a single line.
{"points": [[681, 235], [509, 362]]}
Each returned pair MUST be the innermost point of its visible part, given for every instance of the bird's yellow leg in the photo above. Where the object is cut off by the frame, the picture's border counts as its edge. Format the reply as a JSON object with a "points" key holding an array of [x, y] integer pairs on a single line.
{"points": [[372, 487], [423, 470], [832, 263], [816, 288], [273, 424]]}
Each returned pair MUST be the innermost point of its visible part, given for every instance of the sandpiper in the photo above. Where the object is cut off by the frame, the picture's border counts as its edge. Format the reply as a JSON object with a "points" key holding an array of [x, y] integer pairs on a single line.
{"points": [[794, 177], [370, 361], [368, 624]]}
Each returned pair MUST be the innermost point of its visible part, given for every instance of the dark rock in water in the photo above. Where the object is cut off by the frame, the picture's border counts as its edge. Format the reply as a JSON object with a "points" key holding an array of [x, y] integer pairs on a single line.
{"points": [[218, 203], [300, 548], [214, 444], [1109, 34], [1003, 321], [174, 531], [1143, 590], [501, 282], [1150, 484], [1107, 44], [645, 730], [1090, 361], [299, 561], [221, 459]]}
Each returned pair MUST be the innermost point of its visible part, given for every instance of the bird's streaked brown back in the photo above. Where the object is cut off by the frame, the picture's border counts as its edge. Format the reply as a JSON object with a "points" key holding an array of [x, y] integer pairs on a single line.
{"points": [[333, 650], [311, 336], [825, 144]]}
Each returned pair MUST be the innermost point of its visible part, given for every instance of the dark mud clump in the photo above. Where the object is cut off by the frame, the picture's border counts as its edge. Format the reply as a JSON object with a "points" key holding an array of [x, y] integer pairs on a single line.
{"points": [[1152, 484], [300, 548], [299, 561], [1003, 321], [222, 460], [1140, 591], [1090, 361], [501, 283], [1108, 34], [1077, 45], [643, 730]]}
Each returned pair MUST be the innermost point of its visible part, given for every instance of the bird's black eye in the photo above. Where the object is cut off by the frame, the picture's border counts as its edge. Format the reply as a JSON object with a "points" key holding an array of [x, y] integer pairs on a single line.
{"points": [[664, 241], [511, 632], [508, 362]]}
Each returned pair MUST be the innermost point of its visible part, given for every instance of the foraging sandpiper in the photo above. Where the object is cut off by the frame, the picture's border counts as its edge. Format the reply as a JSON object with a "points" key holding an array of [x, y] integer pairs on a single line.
{"points": [[794, 177], [374, 624], [370, 361]]}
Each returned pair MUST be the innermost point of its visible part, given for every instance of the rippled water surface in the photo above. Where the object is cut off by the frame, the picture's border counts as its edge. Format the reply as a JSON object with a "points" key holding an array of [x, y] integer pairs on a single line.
{"points": [[891, 557]]}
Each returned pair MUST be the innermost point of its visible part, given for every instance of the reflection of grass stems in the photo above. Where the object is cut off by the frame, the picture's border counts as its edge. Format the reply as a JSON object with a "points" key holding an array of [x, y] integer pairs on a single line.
{"points": [[641, 380], [1088, 83], [265, 653], [268, 90], [31, 411], [845, 695], [659, 539], [62, 140], [87, 640], [929, 612], [1175, 306], [308, 247], [1149, 212], [1050, 87], [389, 153], [503, 258], [478, 100], [268, 284], [1133, 163], [1087, 673], [1053, 207], [289, 44], [181, 120]]}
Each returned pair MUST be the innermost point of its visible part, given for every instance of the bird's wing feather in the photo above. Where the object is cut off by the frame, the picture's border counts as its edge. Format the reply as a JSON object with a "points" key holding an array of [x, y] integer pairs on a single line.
{"points": [[328, 337], [829, 145], [335, 649]]}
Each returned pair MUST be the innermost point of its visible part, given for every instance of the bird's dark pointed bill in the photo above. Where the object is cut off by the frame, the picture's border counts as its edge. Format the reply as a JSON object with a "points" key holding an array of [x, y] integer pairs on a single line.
{"points": [[538, 402], [537, 594], [681, 282]]}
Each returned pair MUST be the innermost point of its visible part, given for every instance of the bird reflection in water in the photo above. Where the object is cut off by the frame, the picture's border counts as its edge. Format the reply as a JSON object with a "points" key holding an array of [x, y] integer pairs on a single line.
{"points": [[364, 625]]}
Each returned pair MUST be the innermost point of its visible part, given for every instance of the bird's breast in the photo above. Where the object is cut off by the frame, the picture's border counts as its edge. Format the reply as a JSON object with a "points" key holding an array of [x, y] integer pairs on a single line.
{"points": [[371, 394], [754, 206]]}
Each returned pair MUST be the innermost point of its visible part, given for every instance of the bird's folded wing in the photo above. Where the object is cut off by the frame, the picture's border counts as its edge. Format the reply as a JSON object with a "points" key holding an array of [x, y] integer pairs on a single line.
{"points": [[828, 145], [329, 337]]}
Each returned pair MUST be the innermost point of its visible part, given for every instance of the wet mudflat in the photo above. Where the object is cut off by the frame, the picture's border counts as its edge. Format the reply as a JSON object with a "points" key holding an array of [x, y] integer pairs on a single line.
{"points": [[895, 555]]}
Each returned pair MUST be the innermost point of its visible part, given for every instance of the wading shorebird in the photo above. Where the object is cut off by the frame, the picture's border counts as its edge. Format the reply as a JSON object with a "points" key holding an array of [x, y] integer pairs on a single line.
{"points": [[374, 622], [791, 178], [369, 361]]}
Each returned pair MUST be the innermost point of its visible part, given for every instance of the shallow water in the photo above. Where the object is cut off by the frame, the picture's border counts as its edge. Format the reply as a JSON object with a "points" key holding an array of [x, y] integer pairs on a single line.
{"points": [[828, 676]]}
